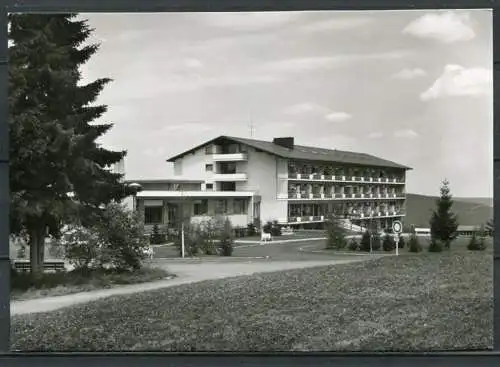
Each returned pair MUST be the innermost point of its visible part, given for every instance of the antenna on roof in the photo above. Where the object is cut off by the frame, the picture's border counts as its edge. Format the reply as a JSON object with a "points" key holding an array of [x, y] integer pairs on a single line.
{"points": [[251, 125]]}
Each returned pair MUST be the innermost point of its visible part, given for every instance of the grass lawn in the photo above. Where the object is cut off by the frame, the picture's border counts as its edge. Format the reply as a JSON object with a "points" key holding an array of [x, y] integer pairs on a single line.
{"points": [[56, 284], [412, 302]]}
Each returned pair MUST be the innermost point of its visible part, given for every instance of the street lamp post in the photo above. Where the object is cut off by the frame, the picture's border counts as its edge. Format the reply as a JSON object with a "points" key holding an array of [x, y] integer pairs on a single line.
{"points": [[136, 188], [183, 248]]}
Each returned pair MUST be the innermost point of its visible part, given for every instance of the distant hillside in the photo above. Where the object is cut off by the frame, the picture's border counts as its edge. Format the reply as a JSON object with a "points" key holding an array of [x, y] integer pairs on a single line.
{"points": [[482, 201], [470, 211]]}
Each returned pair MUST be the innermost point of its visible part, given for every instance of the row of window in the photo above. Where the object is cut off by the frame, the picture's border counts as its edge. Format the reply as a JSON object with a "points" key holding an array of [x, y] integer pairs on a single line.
{"points": [[154, 214], [226, 149]]}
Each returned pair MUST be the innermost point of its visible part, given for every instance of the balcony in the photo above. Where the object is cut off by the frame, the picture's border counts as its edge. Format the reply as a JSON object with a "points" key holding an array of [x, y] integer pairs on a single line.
{"points": [[337, 178], [330, 196], [230, 177], [230, 157]]}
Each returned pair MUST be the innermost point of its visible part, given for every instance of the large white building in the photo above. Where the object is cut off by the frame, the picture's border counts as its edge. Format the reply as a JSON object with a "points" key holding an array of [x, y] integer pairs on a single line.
{"points": [[247, 179]]}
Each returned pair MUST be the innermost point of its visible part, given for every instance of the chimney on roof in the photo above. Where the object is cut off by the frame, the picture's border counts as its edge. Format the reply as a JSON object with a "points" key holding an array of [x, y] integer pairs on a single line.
{"points": [[287, 142]]}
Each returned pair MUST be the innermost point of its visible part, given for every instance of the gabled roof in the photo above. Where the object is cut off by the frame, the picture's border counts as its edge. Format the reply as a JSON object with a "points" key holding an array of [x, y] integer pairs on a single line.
{"points": [[300, 152]]}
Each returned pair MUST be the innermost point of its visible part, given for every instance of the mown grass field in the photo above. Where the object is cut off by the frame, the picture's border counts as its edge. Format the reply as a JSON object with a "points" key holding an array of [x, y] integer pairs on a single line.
{"points": [[420, 302]]}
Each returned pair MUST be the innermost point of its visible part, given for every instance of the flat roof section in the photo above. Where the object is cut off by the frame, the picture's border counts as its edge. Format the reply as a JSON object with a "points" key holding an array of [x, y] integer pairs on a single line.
{"points": [[194, 194]]}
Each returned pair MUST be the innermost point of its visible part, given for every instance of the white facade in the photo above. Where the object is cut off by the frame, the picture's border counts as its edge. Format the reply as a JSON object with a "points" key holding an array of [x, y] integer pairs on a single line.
{"points": [[245, 183]]}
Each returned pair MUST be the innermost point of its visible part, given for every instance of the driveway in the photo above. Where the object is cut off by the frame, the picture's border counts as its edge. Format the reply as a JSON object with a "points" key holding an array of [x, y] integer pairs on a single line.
{"points": [[186, 271], [247, 259]]}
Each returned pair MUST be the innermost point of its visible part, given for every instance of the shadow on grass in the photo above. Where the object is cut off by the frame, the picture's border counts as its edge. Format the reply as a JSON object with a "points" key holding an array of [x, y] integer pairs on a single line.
{"points": [[27, 286]]}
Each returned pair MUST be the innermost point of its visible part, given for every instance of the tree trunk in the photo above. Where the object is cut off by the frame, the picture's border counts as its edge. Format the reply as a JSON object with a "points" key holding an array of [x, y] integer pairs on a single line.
{"points": [[37, 247]]}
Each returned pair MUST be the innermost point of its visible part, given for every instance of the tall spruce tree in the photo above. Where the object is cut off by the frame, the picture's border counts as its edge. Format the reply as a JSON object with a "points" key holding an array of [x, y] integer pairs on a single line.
{"points": [[443, 222], [53, 148]]}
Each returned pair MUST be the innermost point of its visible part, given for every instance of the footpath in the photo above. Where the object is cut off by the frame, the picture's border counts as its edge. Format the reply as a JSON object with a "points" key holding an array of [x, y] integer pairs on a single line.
{"points": [[186, 273]]}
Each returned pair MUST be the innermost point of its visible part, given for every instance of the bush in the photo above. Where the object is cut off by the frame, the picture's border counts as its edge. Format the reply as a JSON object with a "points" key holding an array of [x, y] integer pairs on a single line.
{"points": [[157, 238], [226, 239], [82, 246], [267, 227], [193, 243], [251, 229], [275, 229], [376, 242], [211, 237], [401, 242], [388, 243], [121, 238], [353, 244], [476, 244], [365, 241], [435, 246], [414, 244], [335, 234]]}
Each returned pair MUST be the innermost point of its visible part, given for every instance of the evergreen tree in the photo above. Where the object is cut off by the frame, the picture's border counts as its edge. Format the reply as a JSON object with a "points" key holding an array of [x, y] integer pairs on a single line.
{"points": [[366, 241], [335, 233], [53, 148], [388, 243], [443, 222], [490, 227]]}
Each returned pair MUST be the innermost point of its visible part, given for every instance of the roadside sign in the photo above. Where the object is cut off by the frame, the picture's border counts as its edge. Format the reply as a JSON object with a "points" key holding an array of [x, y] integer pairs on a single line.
{"points": [[397, 227]]}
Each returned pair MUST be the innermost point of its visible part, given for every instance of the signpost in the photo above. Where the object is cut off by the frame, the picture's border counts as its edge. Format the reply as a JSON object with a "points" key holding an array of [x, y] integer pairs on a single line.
{"points": [[397, 227]]}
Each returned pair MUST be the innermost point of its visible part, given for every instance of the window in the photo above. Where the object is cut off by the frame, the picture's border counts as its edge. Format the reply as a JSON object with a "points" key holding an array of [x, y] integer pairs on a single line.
{"points": [[208, 149], [153, 214], [221, 207], [239, 206], [209, 186], [209, 167], [201, 208]]}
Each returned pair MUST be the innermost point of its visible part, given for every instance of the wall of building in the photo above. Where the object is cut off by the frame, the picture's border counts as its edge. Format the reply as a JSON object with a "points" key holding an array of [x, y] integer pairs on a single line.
{"points": [[262, 170], [192, 165], [237, 220]]}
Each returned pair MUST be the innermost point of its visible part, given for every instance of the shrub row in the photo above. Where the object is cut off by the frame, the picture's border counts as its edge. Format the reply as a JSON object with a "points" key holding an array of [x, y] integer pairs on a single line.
{"points": [[211, 237]]}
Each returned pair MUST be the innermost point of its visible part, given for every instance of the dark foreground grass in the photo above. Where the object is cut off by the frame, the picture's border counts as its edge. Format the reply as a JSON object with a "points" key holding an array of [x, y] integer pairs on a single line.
{"points": [[427, 302], [24, 286]]}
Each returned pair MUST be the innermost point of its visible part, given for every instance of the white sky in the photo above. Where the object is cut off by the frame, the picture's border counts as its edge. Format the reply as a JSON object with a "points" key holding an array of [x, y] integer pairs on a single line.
{"points": [[410, 86]]}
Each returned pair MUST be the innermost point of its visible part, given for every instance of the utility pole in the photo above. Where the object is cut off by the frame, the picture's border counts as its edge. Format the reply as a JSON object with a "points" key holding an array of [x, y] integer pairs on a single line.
{"points": [[182, 222]]}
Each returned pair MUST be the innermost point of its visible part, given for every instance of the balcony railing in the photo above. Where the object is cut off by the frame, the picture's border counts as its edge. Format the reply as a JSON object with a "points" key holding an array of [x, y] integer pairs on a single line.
{"points": [[307, 218], [352, 215], [224, 177], [326, 196], [230, 157], [343, 178]]}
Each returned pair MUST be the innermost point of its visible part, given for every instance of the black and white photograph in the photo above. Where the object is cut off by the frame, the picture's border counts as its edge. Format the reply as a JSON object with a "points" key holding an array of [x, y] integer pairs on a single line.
{"points": [[295, 181]]}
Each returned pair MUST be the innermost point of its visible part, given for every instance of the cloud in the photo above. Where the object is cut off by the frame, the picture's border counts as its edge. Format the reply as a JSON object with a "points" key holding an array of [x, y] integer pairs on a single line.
{"points": [[407, 74], [313, 108], [336, 24], [375, 135], [302, 108], [446, 27], [338, 116], [249, 21], [193, 63], [305, 64], [459, 81], [407, 133]]}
